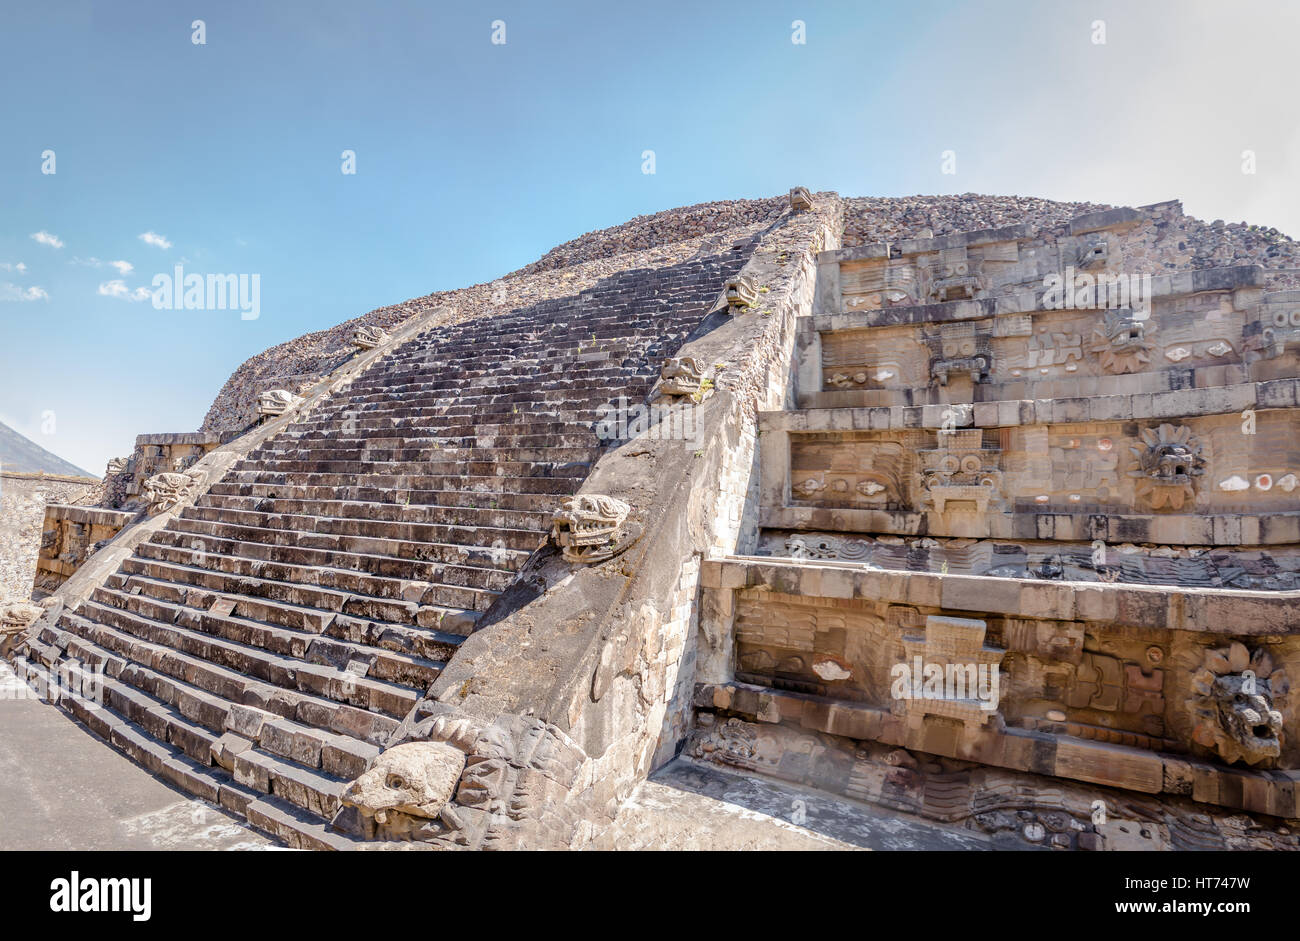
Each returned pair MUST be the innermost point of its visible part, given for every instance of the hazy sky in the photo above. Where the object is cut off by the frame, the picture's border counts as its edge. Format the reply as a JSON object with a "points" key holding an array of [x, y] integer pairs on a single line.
{"points": [[474, 158]]}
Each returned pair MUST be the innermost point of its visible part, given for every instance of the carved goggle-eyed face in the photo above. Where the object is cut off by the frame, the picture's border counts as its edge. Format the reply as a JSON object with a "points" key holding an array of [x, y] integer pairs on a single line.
{"points": [[1173, 462]]}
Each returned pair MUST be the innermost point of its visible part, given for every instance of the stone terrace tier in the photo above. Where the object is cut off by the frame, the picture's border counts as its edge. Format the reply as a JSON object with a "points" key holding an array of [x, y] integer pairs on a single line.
{"points": [[1095, 505], [261, 648]]}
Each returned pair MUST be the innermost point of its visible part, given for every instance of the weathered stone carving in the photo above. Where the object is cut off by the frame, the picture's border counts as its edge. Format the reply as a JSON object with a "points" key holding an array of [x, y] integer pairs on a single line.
{"points": [[1093, 252], [821, 546], [800, 199], [681, 376], [960, 470], [1233, 706], [368, 337], [740, 294], [1121, 343], [590, 527], [957, 647], [1166, 466], [408, 785], [960, 349], [277, 402], [116, 465], [953, 276], [16, 615], [163, 492]]}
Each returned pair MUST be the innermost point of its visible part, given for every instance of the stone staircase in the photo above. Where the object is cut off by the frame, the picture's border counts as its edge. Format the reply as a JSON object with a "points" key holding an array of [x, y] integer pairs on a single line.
{"points": [[260, 649]]}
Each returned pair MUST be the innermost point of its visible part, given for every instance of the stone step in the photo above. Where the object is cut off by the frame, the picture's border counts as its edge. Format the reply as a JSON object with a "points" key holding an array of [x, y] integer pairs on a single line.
{"points": [[269, 813], [285, 767], [522, 372], [188, 547], [466, 426], [188, 530], [206, 694], [175, 624], [465, 483], [543, 503], [133, 632], [360, 582], [433, 635], [379, 423], [485, 514], [309, 458], [525, 539], [474, 444], [363, 470], [333, 590], [504, 401]]}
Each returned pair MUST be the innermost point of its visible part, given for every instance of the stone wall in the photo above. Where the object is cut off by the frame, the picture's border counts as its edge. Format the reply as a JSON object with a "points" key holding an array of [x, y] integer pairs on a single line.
{"points": [[1087, 504], [23, 499], [154, 454], [71, 535]]}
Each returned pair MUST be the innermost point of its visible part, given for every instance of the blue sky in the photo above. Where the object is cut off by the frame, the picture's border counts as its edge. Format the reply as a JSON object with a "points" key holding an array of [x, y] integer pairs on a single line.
{"points": [[475, 158]]}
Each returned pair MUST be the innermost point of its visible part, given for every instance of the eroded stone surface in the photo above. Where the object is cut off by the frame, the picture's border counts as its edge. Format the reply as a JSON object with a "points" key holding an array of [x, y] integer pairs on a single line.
{"points": [[357, 630]]}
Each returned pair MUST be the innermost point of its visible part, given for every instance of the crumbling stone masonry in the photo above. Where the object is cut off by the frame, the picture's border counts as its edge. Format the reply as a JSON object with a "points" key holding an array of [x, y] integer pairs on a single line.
{"points": [[429, 599]]}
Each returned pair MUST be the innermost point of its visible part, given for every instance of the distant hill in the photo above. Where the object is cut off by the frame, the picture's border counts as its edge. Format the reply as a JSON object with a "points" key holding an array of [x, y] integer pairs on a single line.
{"points": [[21, 454]]}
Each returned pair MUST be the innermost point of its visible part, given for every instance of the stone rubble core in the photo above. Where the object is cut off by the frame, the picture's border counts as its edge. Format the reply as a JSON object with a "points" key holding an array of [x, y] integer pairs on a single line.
{"points": [[16, 616], [428, 606]]}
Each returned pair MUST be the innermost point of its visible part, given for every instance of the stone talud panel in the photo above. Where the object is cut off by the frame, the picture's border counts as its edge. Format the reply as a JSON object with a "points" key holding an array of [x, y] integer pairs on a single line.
{"points": [[1209, 699], [71, 534], [1272, 339], [1182, 341], [963, 478], [939, 270], [861, 651]]}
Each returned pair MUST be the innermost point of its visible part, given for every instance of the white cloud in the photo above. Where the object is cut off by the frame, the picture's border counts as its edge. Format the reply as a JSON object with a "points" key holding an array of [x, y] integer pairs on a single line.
{"points": [[6, 266], [45, 238], [12, 292], [117, 288], [123, 267], [153, 238]]}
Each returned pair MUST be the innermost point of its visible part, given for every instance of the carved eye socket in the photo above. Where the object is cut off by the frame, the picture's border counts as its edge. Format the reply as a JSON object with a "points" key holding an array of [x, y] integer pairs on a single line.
{"points": [[1239, 698], [396, 782]]}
